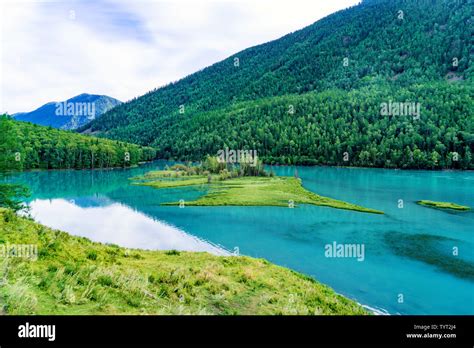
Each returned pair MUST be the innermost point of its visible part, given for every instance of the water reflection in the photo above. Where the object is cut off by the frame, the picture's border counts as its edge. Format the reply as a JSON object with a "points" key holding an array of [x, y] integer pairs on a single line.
{"points": [[117, 224]]}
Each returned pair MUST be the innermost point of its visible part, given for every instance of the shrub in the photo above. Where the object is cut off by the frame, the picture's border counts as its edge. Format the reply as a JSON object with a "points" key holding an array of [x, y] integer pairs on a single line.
{"points": [[19, 299], [172, 252], [92, 255]]}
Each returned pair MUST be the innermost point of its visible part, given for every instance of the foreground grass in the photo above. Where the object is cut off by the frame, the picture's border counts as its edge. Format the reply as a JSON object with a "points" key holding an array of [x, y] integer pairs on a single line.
{"points": [[248, 191], [73, 275], [443, 205]]}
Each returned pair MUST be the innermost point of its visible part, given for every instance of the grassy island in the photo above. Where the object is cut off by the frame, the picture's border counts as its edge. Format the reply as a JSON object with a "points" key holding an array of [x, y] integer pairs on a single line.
{"points": [[232, 188], [73, 275], [443, 205]]}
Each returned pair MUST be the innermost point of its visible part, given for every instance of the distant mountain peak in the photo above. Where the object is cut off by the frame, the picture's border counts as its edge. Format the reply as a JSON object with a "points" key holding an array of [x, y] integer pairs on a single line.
{"points": [[71, 113]]}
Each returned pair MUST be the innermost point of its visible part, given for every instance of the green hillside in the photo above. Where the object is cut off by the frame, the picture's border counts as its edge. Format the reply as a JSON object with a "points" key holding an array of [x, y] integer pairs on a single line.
{"points": [[353, 61], [29, 146], [336, 127], [72, 275]]}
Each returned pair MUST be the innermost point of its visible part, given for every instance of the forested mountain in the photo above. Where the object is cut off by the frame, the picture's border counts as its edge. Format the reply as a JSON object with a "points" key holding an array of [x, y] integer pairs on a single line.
{"points": [[70, 114], [336, 128], [28, 146], [317, 94]]}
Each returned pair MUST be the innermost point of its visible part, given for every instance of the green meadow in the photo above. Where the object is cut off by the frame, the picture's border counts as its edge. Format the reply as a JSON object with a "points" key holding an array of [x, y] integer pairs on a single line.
{"points": [[73, 275]]}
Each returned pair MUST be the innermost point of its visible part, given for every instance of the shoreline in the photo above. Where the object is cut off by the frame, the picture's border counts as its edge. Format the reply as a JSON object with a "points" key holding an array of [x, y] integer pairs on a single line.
{"points": [[335, 166], [265, 164], [125, 281], [72, 169]]}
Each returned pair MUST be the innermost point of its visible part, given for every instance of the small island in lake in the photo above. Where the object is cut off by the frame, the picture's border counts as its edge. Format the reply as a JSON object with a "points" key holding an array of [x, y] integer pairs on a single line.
{"points": [[243, 186], [443, 205]]}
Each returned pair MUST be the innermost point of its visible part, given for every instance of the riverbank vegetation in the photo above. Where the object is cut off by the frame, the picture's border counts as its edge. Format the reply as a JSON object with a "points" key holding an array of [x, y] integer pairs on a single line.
{"points": [[73, 275], [12, 196]]}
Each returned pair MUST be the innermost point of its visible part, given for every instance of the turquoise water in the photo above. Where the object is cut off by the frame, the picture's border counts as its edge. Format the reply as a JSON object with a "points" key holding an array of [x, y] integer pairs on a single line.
{"points": [[410, 263]]}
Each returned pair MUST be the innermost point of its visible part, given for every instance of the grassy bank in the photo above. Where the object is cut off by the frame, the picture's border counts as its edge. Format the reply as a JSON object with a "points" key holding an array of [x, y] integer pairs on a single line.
{"points": [[247, 191], [73, 275], [443, 205]]}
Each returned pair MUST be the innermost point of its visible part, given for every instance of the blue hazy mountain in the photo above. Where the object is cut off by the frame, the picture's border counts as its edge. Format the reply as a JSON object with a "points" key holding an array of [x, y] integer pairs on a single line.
{"points": [[70, 114]]}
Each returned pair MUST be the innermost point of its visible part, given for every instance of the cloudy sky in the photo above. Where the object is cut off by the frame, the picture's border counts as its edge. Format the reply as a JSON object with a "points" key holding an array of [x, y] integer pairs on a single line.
{"points": [[54, 50]]}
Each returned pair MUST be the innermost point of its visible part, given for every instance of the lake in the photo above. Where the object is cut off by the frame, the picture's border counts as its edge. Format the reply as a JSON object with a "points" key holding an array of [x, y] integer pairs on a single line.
{"points": [[417, 260]]}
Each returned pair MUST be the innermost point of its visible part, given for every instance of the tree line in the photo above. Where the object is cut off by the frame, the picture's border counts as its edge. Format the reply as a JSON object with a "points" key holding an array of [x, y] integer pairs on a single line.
{"points": [[337, 127], [29, 146]]}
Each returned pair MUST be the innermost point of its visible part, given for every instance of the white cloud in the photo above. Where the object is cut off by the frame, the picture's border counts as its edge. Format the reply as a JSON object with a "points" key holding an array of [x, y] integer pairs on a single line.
{"points": [[126, 48]]}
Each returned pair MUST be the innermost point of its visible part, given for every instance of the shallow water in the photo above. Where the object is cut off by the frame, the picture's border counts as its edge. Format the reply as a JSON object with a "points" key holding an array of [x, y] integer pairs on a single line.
{"points": [[408, 252]]}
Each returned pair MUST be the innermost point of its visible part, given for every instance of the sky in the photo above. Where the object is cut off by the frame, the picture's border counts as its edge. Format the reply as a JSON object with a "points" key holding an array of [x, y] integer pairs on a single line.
{"points": [[54, 50]]}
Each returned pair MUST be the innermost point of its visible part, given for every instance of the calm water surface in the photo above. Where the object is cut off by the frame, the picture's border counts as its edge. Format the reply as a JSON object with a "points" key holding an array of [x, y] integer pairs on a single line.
{"points": [[408, 252]]}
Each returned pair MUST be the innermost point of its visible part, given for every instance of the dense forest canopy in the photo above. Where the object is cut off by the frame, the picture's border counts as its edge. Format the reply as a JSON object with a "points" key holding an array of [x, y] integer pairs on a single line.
{"points": [[357, 59], [29, 146], [337, 127]]}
